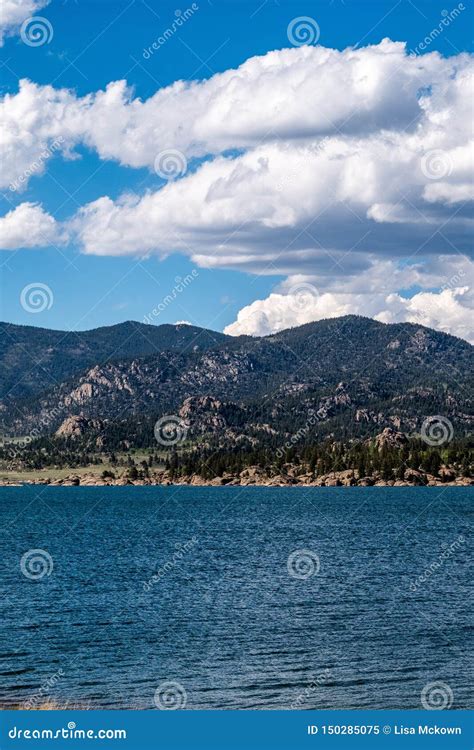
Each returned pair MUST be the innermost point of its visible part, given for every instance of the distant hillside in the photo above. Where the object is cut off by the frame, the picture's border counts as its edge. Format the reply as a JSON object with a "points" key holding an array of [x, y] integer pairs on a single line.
{"points": [[343, 377], [33, 360]]}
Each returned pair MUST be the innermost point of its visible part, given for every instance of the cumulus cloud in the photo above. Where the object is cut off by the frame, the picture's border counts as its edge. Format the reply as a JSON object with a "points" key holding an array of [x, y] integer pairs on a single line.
{"points": [[450, 310], [14, 12], [347, 170], [28, 225], [284, 208], [349, 183], [298, 94], [442, 297]]}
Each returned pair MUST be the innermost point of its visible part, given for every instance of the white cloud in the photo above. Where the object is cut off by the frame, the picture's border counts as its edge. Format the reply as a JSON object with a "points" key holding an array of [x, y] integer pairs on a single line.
{"points": [[444, 192], [14, 12], [300, 94], [28, 225], [350, 169], [328, 214], [320, 195], [450, 310]]}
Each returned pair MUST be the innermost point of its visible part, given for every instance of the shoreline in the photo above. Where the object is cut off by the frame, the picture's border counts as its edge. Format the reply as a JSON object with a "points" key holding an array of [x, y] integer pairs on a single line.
{"points": [[253, 477]]}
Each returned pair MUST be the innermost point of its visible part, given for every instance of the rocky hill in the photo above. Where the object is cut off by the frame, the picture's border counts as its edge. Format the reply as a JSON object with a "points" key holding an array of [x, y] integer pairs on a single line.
{"points": [[340, 378], [33, 360]]}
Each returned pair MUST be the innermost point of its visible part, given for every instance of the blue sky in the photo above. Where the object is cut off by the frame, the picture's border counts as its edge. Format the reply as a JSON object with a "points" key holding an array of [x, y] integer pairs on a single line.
{"points": [[95, 43]]}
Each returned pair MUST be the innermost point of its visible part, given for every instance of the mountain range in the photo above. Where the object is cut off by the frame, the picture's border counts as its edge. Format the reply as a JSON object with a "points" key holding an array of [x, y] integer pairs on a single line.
{"points": [[340, 378]]}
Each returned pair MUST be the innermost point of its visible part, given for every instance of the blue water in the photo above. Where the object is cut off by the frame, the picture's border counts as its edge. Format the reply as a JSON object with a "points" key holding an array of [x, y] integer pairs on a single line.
{"points": [[226, 620]]}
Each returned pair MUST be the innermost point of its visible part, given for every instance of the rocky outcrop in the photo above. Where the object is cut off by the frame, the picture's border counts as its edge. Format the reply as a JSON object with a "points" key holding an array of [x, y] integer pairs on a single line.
{"points": [[203, 414], [366, 415], [78, 425], [391, 438], [208, 415], [330, 404], [327, 377], [256, 476]]}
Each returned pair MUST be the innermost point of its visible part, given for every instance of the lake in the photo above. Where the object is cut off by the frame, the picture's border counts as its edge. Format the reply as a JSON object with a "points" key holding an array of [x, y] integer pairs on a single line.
{"points": [[137, 597]]}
